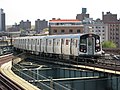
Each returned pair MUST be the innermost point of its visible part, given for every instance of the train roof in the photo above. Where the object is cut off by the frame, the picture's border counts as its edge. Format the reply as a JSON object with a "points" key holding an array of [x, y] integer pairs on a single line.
{"points": [[65, 36], [53, 36]]}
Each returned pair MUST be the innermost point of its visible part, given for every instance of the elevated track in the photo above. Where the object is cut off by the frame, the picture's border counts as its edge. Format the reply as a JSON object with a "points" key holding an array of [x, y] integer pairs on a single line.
{"points": [[103, 65]]}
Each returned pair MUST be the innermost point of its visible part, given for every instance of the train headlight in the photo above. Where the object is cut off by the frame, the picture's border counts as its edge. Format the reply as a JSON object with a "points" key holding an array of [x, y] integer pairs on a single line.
{"points": [[84, 50], [97, 41], [97, 45]]}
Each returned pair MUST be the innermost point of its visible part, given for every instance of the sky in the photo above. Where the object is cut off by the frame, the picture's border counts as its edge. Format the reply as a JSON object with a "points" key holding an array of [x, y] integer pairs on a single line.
{"points": [[17, 10]]}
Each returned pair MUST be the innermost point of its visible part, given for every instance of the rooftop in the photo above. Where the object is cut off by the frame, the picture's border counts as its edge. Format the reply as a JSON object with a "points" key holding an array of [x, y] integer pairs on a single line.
{"points": [[64, 20]]}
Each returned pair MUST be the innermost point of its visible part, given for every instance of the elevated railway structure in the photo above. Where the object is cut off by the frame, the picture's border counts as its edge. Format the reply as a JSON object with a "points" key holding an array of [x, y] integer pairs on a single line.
{"points": [[107, 68], [107, 65]]}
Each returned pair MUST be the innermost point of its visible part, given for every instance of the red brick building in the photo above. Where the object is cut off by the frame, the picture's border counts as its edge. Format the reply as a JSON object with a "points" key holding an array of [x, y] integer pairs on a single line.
{"points": [[65, 26]]}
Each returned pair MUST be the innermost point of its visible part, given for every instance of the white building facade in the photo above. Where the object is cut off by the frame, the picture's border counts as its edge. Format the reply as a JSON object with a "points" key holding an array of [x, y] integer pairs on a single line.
{"points": [[98, 28]]}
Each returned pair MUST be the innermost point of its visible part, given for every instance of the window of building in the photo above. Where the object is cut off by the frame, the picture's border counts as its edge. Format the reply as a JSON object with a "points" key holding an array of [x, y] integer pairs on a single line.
{"points": [[70, 30], [117, 29], [117, 38], [62, 31], [78, 31], [117, 25], [55, 31]]}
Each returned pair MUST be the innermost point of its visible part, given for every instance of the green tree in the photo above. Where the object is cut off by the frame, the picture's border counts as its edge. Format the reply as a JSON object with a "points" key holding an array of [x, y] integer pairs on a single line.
{"points": [[108, 44]]}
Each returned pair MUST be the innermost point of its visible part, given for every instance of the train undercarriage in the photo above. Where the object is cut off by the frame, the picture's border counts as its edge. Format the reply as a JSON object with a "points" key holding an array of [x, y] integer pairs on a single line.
{"points": [[65, 58]]}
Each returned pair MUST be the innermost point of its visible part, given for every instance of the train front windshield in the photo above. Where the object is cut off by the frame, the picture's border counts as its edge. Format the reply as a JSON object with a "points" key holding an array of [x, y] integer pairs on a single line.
{"points": [[90, 43]]}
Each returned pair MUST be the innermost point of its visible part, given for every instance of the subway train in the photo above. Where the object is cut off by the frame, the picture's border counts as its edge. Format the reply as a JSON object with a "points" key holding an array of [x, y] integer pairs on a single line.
{"points": [[61, 46]]}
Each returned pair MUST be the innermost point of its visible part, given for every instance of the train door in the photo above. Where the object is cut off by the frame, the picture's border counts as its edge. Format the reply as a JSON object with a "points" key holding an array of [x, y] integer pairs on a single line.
{"points": [[90, 47]]}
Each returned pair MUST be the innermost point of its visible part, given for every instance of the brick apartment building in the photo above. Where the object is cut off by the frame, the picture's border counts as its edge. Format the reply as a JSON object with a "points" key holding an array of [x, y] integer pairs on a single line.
{"points": [[113, 27]]}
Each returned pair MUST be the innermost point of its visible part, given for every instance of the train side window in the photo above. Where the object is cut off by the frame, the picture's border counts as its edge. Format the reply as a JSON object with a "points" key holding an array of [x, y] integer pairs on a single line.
{"points": [[72, 41], [58, 41], [21, 41], [49, 42], [31, 41], [62, 41], [76, 42], [36, 42], [46, 42], [40, 41], [54, 41], [28, 41], [66, 42]]}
